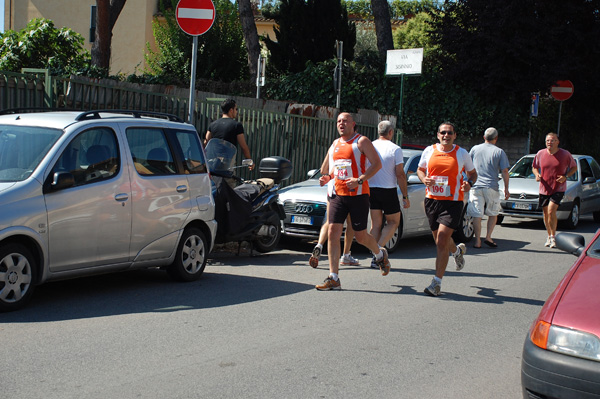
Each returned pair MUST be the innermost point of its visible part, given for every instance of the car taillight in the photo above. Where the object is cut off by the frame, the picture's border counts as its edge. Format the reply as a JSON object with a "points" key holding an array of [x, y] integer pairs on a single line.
{"points": [[539, 333]]}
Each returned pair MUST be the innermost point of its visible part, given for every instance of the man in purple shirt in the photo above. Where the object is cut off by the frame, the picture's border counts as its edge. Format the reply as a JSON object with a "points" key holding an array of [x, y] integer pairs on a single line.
{"points": [[551, 167]]}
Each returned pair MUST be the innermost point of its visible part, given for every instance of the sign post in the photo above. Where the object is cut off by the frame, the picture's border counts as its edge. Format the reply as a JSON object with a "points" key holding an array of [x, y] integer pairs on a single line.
{"points": [[260, 74], [194, 17], [403, 62], [562, 90]]}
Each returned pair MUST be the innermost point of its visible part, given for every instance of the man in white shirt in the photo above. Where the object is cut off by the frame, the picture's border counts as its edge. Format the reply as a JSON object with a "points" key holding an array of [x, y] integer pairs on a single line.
{"points": [[384, 196]]}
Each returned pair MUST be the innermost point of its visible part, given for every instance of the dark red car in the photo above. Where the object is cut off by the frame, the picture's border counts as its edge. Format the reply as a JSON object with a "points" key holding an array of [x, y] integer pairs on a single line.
{"points": [[561, 355]]}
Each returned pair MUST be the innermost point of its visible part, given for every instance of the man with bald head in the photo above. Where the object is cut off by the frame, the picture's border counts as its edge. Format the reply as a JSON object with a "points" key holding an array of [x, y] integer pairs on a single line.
{"points": [[348, 156]]}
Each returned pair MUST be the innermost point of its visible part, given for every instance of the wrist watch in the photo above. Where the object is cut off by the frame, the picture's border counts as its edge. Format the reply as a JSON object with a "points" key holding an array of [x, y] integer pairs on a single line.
{"points": [[360, 181]]}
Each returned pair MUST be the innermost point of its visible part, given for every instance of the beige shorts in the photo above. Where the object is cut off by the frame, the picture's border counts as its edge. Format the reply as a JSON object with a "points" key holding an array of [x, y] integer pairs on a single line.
{"points": [[482, 201]]}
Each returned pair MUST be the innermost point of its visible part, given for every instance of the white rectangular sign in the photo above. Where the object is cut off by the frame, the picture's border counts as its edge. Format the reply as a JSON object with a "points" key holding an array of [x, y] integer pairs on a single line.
{"points": [[404, 62]]}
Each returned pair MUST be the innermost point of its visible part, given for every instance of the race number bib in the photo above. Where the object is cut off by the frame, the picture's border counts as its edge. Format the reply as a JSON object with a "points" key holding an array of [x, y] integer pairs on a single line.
{"points": [[441, 187], [343, 169]]}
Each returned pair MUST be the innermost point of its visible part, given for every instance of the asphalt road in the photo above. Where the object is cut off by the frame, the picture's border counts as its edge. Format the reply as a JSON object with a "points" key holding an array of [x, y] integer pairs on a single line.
{"points": [[255, 327]]}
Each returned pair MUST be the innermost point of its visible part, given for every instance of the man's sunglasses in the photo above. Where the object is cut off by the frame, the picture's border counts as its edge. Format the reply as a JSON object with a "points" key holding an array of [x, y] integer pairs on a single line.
{"points": [[443, 132]]}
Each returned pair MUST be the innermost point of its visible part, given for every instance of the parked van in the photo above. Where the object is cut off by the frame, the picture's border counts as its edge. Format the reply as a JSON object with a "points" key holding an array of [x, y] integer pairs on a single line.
{"points": [[86, 193]]}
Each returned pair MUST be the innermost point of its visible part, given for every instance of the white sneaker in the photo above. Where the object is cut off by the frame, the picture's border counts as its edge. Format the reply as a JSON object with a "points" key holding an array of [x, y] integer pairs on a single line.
{"points": [[552, 242], [434, 288], [459, 260], [349, 260], [548, 241]]}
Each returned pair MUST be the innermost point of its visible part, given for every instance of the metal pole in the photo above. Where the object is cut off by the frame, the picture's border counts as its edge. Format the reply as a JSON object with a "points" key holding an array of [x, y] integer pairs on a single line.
{"points": [[400, 106], [258, 76], [193, 81], [340, 52], [559, 113]]}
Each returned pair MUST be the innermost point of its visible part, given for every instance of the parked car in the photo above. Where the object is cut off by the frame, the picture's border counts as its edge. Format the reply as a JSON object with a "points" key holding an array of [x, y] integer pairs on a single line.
{"points": [[305, 205], [561, 354], [102, 191], [582, 195]]}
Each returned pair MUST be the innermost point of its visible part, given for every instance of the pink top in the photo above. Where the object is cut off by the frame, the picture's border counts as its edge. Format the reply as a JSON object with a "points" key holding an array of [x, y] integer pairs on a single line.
{"points": [[551, 166]]}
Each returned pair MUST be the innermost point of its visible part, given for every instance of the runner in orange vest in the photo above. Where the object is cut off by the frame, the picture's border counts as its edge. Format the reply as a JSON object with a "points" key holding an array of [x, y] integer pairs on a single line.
{"points": [[441, 170], [348, 157]]}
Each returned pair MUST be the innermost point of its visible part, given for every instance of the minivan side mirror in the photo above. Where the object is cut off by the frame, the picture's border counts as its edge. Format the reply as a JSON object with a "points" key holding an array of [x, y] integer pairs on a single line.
{"points": [[62, 180]]}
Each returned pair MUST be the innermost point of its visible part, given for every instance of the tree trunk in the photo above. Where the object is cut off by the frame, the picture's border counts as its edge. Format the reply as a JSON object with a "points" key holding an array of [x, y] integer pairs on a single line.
{"points": [[250, 35], [107, 13], [383, 26]]}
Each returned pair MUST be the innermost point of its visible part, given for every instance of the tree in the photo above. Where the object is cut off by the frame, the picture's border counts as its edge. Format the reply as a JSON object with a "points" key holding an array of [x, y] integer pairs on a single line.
{"points": [[307, 31], [383, 26], [250, 34], [507, 49], [416, 34], [41, 45], [107, 13], [221, 53]]}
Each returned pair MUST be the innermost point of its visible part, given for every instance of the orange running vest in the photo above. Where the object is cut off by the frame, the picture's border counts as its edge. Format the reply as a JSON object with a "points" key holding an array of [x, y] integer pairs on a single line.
{"points": [[443, 166], [348, 162]]}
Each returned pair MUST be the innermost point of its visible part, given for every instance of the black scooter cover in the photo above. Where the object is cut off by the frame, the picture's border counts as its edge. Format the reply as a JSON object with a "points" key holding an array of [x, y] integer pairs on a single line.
{"points": [[232, 208]]}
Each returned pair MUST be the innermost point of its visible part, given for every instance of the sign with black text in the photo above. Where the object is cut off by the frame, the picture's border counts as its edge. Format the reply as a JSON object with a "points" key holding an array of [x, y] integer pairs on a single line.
{"points": [[404, 62]]}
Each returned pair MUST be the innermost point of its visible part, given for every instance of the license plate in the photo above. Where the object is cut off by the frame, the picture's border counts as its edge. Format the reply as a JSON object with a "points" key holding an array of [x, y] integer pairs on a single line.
{"points": [[518, 205], [302, 220]]}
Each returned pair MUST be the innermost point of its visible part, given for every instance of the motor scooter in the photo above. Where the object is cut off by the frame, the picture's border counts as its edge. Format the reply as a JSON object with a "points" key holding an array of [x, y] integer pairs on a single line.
{"points": [[246, 210]]}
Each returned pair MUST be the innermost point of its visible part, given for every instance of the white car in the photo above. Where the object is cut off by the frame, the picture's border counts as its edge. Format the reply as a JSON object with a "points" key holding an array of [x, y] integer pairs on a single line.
{"points": [[305, 205]]}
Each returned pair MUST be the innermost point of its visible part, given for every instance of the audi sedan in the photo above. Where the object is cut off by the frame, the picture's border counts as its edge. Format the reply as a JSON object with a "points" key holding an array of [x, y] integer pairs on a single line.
{"points": [[561, 355], [582, 195], [305, 205]]}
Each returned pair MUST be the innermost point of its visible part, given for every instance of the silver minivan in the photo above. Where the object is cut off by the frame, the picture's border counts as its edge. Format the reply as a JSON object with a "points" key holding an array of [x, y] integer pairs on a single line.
{"points": [[85, 193]]}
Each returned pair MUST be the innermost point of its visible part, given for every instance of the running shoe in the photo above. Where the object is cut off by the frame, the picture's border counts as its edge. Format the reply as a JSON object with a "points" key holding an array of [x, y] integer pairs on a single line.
{"points": [[384, 263], [349, 260], [314, 259], [433, 289], [548, 241], [374, 263], [329, 284], [459, 260], [552, 242]]}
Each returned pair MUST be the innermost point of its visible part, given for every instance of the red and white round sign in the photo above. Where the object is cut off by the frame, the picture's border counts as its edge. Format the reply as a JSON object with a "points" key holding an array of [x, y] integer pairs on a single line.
{"points": [[195, 17], [562, 90]]}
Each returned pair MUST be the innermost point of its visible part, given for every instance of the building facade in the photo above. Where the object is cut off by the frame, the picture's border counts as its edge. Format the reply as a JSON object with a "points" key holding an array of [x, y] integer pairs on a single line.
{"points": [[130, 34]]}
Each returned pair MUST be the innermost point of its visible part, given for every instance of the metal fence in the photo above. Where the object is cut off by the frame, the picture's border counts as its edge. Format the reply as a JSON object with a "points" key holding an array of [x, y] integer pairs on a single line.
{"points": [[303, 140]]}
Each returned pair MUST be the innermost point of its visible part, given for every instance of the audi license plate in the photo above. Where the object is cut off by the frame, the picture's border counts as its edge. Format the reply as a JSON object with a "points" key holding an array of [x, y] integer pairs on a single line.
{"points": [[302, 219], [518, 205]]}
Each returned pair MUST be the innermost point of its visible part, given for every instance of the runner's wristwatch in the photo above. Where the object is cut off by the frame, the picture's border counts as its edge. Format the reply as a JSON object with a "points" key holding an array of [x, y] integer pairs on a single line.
{"points": [[360, 181]]}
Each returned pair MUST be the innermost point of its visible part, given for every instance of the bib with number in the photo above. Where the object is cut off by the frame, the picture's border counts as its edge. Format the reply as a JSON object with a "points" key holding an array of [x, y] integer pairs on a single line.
{"points": [[343, 169], [441, 187]]}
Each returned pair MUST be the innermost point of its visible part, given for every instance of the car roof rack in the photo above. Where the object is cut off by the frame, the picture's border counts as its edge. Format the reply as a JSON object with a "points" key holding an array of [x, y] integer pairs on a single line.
{"points": [[136, 114]]}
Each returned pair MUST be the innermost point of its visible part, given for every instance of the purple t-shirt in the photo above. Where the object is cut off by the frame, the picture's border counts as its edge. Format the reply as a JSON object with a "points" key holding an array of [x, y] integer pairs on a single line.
{"points": [[551, 166]]}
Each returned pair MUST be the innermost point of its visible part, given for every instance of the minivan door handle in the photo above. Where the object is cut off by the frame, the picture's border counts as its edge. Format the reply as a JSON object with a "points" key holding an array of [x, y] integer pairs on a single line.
{"points": [[121, 197], [181, 189]]}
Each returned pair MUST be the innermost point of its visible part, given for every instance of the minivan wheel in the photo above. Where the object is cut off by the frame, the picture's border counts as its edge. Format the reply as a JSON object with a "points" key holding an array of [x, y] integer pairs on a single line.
{"points": [[17, 276], [191, 256]]}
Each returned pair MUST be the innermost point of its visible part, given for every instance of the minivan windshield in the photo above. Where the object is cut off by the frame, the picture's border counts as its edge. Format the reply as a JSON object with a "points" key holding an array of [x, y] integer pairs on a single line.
{"points": [[22, 148]]}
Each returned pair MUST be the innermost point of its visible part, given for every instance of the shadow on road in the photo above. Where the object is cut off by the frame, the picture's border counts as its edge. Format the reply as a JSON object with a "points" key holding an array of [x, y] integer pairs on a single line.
{"points": [[147, 291]]}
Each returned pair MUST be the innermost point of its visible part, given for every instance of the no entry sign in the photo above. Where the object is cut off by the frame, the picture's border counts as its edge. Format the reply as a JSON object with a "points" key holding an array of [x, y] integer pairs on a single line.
{"points": [[562, 90], [195, 17]]}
